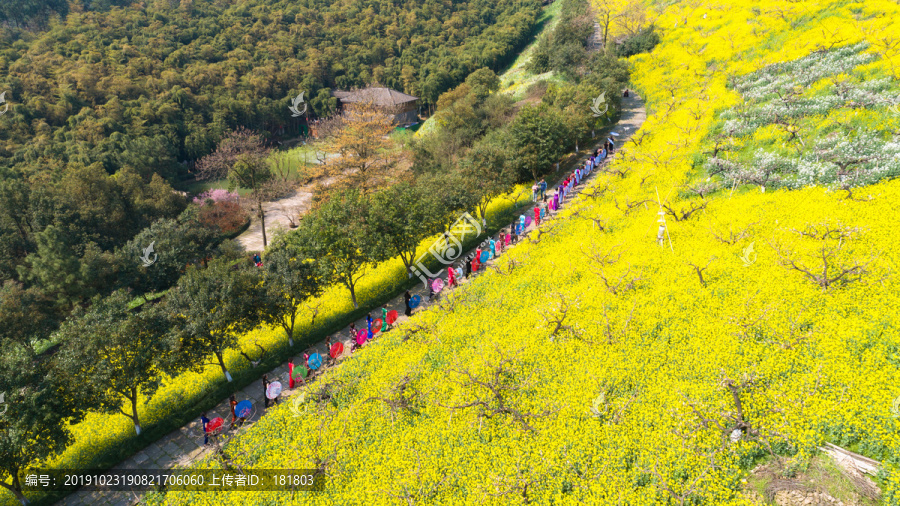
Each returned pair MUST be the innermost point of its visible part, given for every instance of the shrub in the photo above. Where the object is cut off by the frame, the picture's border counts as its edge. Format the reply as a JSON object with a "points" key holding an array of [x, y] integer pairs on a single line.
{"points": [[217, 195], [642, 42], [225, 216]]}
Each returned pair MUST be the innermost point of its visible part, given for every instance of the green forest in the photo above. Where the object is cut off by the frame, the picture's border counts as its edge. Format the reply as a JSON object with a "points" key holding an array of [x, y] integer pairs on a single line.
{"points": [[168, 79], [108, 105]]}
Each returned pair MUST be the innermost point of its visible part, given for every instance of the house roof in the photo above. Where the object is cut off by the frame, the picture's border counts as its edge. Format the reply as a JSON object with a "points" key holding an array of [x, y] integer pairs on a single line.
{"points": [[378, 96]]}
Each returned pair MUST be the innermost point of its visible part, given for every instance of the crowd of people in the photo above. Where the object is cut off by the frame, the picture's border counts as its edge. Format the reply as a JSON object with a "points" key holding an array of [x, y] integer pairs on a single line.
{"points": [[488, 249], [508, 236]]}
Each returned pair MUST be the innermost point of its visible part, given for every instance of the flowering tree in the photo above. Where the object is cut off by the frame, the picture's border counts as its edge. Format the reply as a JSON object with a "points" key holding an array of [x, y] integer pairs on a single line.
{"points": [[242, 157]]}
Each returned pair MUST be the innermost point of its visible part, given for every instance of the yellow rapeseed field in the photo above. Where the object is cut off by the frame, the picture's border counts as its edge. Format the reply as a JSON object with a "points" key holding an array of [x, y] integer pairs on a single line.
{"points": [[597, 366]]}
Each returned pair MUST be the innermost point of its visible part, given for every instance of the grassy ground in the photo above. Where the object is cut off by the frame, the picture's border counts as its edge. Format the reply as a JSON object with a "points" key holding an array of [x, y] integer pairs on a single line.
{"points": [[302, 164], [516, 79], [818, 474], [299, 160]]}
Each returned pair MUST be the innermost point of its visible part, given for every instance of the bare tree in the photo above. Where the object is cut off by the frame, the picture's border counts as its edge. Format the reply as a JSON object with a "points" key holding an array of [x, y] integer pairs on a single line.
{"points": [[242, 157], [832, 267], [422, 491], [630, 205], [703, 189], [685, 212], [262, 355], [284, 173], [402, 397], [555, 318], [699, 270], [733, 236], [614, 335], [493, 393], [292, 213], [509, 266], [618, 286]]}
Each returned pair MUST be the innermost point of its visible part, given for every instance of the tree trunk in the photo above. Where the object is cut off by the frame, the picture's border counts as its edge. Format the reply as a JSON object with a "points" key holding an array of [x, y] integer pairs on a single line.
{"points": [[353, 294], [16, 488], [262, 221], [134, 417], [290, 336], [407, 263], [222, 365]]}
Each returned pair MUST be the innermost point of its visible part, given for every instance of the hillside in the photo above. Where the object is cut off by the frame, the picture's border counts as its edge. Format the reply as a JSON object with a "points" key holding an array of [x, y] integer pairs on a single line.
{"points": [[601, 365], [122, 99]]}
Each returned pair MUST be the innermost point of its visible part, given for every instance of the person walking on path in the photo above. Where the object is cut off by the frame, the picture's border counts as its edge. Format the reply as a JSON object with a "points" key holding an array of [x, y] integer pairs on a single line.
{"points": [[384, 323], [232, 402], [291, 373], [369, 320], [468, 262], [543, 190], [534, 191], [537, 216], [493, 248], [203, 423], [451, 276], [406, 299], [265, 382]]}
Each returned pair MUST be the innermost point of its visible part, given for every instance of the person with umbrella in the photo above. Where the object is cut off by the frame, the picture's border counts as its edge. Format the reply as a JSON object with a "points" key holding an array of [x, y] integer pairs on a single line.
{"points": [[406, 298], [265, 382], [291, 373], [232, 402], [384, 322]]}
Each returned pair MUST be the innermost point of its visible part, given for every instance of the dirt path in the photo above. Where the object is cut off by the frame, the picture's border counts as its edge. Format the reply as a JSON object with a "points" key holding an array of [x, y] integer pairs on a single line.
{"points": [[276, 213], [276, 218], [184, 446]]}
